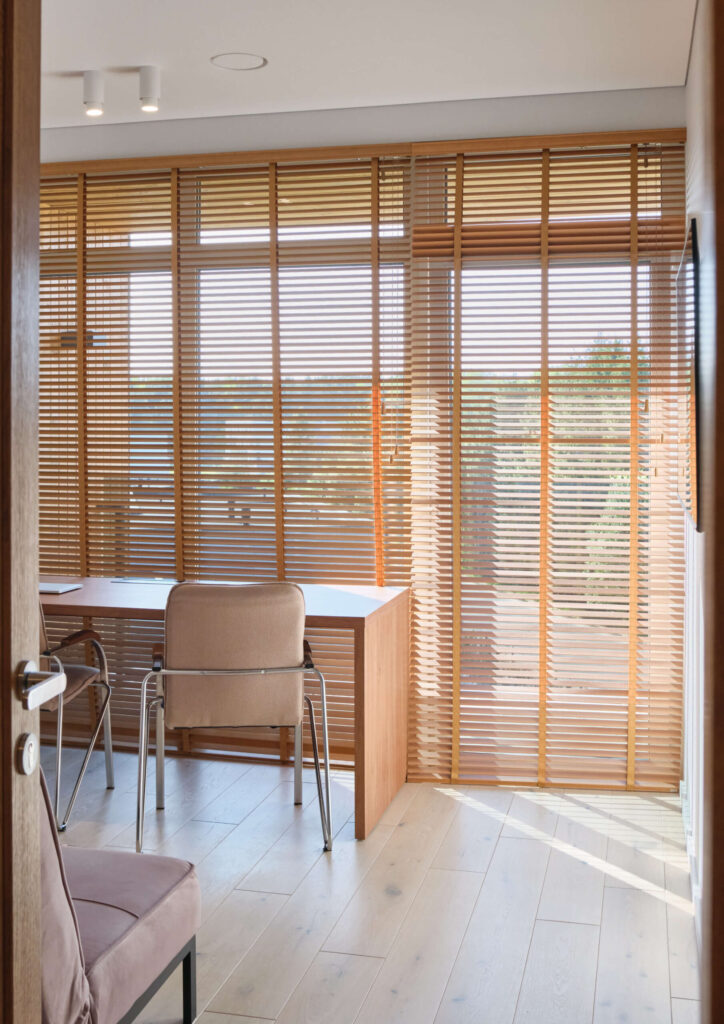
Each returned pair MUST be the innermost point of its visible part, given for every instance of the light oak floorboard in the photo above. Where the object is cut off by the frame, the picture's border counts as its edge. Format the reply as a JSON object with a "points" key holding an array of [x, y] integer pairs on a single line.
{"points": [[683, 954], [187, 792], [244, 846], [678, 879], [399, 804], [332, 991], [685, 1011], [259, 987], [573, 887], [471, 838], [485, 979], [283, 867], [633, 971], [533, 814], [412, 980], [220, 944], [560, 975], [643, 863], [265, 956], [195, 840], [209, 1017], [246, 793], [373, 917]]}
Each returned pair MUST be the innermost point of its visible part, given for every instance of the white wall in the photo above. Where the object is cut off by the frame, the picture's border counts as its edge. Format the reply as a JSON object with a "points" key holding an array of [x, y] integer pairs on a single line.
{"points": [[700, 204], [418, 122]]}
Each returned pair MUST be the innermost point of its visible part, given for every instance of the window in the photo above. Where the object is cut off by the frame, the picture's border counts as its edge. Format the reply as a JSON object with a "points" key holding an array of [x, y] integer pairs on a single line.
{"points": [[315, 370]]}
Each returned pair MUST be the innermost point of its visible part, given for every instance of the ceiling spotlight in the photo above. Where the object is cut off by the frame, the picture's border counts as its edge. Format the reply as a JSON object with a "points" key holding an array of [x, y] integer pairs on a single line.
{"points": [[93, 93], [150, 88], [239, 61]]}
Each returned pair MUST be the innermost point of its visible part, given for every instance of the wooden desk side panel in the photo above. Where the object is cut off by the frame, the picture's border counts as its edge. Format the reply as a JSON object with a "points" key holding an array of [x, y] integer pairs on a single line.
{"points": [[382, 666]]}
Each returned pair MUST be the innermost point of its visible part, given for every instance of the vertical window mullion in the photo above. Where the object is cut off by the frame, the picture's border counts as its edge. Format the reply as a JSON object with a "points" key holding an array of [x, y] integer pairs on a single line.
{"points": [[544, 476], [634, 485]]}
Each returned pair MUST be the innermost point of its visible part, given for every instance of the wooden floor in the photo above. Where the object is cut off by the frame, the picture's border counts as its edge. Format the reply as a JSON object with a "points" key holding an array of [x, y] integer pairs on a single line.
{"points": [[465, 906]]}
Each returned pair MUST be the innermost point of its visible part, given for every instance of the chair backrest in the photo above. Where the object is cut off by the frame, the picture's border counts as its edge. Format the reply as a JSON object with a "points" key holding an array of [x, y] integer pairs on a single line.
{"points": [[225, 626], [65, 989]]}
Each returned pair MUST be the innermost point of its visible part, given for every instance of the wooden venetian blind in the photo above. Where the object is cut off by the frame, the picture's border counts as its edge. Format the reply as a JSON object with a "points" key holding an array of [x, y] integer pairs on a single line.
{"points": [[291, 310], [241, 397], [543, 438], [452, 367]]}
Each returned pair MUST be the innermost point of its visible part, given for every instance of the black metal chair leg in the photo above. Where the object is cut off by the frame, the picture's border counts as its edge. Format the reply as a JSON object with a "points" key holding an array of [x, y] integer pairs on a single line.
{"points": [[189, 984]]}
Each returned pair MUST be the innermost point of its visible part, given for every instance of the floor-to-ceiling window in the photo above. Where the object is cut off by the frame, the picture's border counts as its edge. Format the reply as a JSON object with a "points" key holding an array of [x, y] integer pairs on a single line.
{"points": [[449, 370]]}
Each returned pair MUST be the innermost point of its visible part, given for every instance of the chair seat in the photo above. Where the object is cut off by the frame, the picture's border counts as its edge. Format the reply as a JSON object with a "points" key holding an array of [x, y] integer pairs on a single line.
{"points": [[78, 677], [135, 912]]}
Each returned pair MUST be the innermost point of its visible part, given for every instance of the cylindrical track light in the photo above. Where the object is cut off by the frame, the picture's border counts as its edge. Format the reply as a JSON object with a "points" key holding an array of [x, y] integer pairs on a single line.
{"points": [[149, 88], [93, 93]]}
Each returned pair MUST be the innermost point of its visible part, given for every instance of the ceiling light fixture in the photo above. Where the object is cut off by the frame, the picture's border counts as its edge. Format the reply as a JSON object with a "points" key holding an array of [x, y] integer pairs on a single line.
{"points": [[239, 61], [149, 88], [93, 93]]}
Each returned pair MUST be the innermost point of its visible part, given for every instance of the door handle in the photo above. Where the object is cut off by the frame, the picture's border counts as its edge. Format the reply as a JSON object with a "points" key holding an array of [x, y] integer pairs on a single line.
{"points": [[36, 688]]}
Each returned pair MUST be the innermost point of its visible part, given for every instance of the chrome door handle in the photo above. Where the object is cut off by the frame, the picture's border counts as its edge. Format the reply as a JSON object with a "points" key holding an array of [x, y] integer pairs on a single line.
{"points": [[35, 687]]}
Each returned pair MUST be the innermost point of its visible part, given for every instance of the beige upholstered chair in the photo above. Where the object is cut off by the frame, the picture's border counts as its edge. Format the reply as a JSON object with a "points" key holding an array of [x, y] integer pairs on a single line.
{"points": [[79, 677], [114, 928], [235, 656]]}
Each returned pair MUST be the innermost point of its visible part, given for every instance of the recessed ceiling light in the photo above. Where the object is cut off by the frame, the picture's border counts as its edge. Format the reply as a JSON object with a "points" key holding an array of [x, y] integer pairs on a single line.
{"points": [[239, 61]]}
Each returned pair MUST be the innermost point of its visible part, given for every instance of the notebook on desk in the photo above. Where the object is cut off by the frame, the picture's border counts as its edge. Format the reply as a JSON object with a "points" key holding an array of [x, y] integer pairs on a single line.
{"points": [[58, 588]]}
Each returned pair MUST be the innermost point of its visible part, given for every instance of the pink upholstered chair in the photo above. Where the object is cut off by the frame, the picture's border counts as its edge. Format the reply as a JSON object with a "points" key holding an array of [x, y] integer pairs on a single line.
{"points": [[79, 678], [114, 927], [235, 656]]}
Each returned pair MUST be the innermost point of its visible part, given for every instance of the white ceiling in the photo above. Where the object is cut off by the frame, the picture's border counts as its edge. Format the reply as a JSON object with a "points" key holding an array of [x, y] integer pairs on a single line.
{"points": [[326, 54]]}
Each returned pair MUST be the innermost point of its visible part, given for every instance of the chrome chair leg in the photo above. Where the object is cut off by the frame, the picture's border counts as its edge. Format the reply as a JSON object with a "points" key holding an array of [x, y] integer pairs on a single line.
{"points": [[325, 737], [160, 756], [108, 749], [58, 759], [107, 731], [144, 729], [298, 764], [325, 809], [141, 790], [62, 826]]}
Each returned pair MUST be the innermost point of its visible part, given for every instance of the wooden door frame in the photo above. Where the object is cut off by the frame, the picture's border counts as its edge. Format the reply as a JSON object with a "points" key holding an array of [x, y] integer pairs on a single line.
{"points": [[19, 794]]}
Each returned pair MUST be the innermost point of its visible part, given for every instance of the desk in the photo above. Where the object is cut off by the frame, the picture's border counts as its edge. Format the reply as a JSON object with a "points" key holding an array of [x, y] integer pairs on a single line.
{"points": [[378, 619]]}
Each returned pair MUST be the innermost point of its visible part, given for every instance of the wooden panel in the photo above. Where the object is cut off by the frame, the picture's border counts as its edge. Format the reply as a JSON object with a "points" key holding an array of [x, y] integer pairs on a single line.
{"points": [[381, 686], [20, 896]]}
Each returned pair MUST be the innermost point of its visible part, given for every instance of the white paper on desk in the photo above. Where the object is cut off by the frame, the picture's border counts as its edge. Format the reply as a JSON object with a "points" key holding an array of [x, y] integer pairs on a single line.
{"points": [[58, 588]]}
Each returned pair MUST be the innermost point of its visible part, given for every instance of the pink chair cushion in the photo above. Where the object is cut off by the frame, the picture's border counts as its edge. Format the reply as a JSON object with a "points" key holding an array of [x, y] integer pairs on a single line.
{"points": [[135, 913], [111, 922], [65, 992]]}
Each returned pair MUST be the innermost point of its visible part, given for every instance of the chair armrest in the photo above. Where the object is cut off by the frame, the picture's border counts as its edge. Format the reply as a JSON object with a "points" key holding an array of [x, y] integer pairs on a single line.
{"points": [[157, 656], [82, 636]]}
